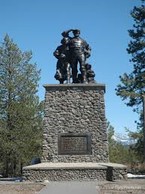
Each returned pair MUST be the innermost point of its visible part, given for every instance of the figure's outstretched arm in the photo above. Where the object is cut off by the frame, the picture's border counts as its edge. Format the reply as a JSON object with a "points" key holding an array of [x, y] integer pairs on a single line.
{"points": [[66, 33]]}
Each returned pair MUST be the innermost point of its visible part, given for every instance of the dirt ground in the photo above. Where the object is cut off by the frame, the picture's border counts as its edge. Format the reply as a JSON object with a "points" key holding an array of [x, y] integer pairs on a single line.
{"points": [[135, 186], [20, 188]]}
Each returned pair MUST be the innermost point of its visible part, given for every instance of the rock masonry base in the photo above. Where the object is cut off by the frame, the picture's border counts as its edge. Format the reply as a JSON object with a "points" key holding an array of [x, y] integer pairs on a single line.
{"points": [[74, 172], [75, 145], [75, 124]]}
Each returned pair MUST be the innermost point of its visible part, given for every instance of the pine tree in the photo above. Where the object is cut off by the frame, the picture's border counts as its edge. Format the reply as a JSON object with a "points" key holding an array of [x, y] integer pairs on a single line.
{"points": [[119, 152], [20, 109], [132, 87]]}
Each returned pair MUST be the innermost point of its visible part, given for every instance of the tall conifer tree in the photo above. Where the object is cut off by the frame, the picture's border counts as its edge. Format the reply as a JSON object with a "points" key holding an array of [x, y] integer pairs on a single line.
{"points": [[20, 109], [132, 86]]}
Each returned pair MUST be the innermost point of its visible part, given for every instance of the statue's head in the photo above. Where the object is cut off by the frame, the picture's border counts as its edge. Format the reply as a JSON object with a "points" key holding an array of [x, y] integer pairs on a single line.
{"points": [[88, 66], [65, 40], [76, 32]]}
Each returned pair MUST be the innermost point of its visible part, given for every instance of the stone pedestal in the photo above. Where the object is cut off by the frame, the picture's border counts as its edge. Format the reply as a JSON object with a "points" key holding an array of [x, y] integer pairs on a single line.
{"points": [[75, 145], [75, 124]]}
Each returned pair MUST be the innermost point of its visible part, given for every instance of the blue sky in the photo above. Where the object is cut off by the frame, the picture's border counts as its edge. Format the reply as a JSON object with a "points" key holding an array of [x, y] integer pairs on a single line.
{"points": [[37, 25]]}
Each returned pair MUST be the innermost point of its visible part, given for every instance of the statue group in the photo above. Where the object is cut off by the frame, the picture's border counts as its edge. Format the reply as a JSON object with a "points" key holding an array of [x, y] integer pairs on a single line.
{"points": [[73, 51]]}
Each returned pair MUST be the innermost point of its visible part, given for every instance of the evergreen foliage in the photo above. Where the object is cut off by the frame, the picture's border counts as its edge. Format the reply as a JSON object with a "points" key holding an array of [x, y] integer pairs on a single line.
{"points": [[119, 152], [132, 86], [20, 110]]}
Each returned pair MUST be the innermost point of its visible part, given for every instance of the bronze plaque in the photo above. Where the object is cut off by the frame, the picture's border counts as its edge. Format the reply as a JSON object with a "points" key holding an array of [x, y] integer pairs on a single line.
{"points": [[69, 144]]}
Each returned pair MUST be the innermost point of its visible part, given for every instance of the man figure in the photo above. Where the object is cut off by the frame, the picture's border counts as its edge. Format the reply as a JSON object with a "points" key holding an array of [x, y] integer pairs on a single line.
{"points": [[79, 50]]}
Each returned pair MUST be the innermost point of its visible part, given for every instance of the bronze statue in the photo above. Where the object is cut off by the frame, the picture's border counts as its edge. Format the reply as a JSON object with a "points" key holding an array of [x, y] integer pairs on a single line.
{"points": [[90, 75], [73, 51], [63, 65]]}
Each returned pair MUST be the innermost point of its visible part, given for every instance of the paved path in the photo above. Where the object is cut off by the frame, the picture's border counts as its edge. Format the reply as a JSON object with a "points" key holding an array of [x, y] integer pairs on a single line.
{"points": [[135, 186], [70, 188]]}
